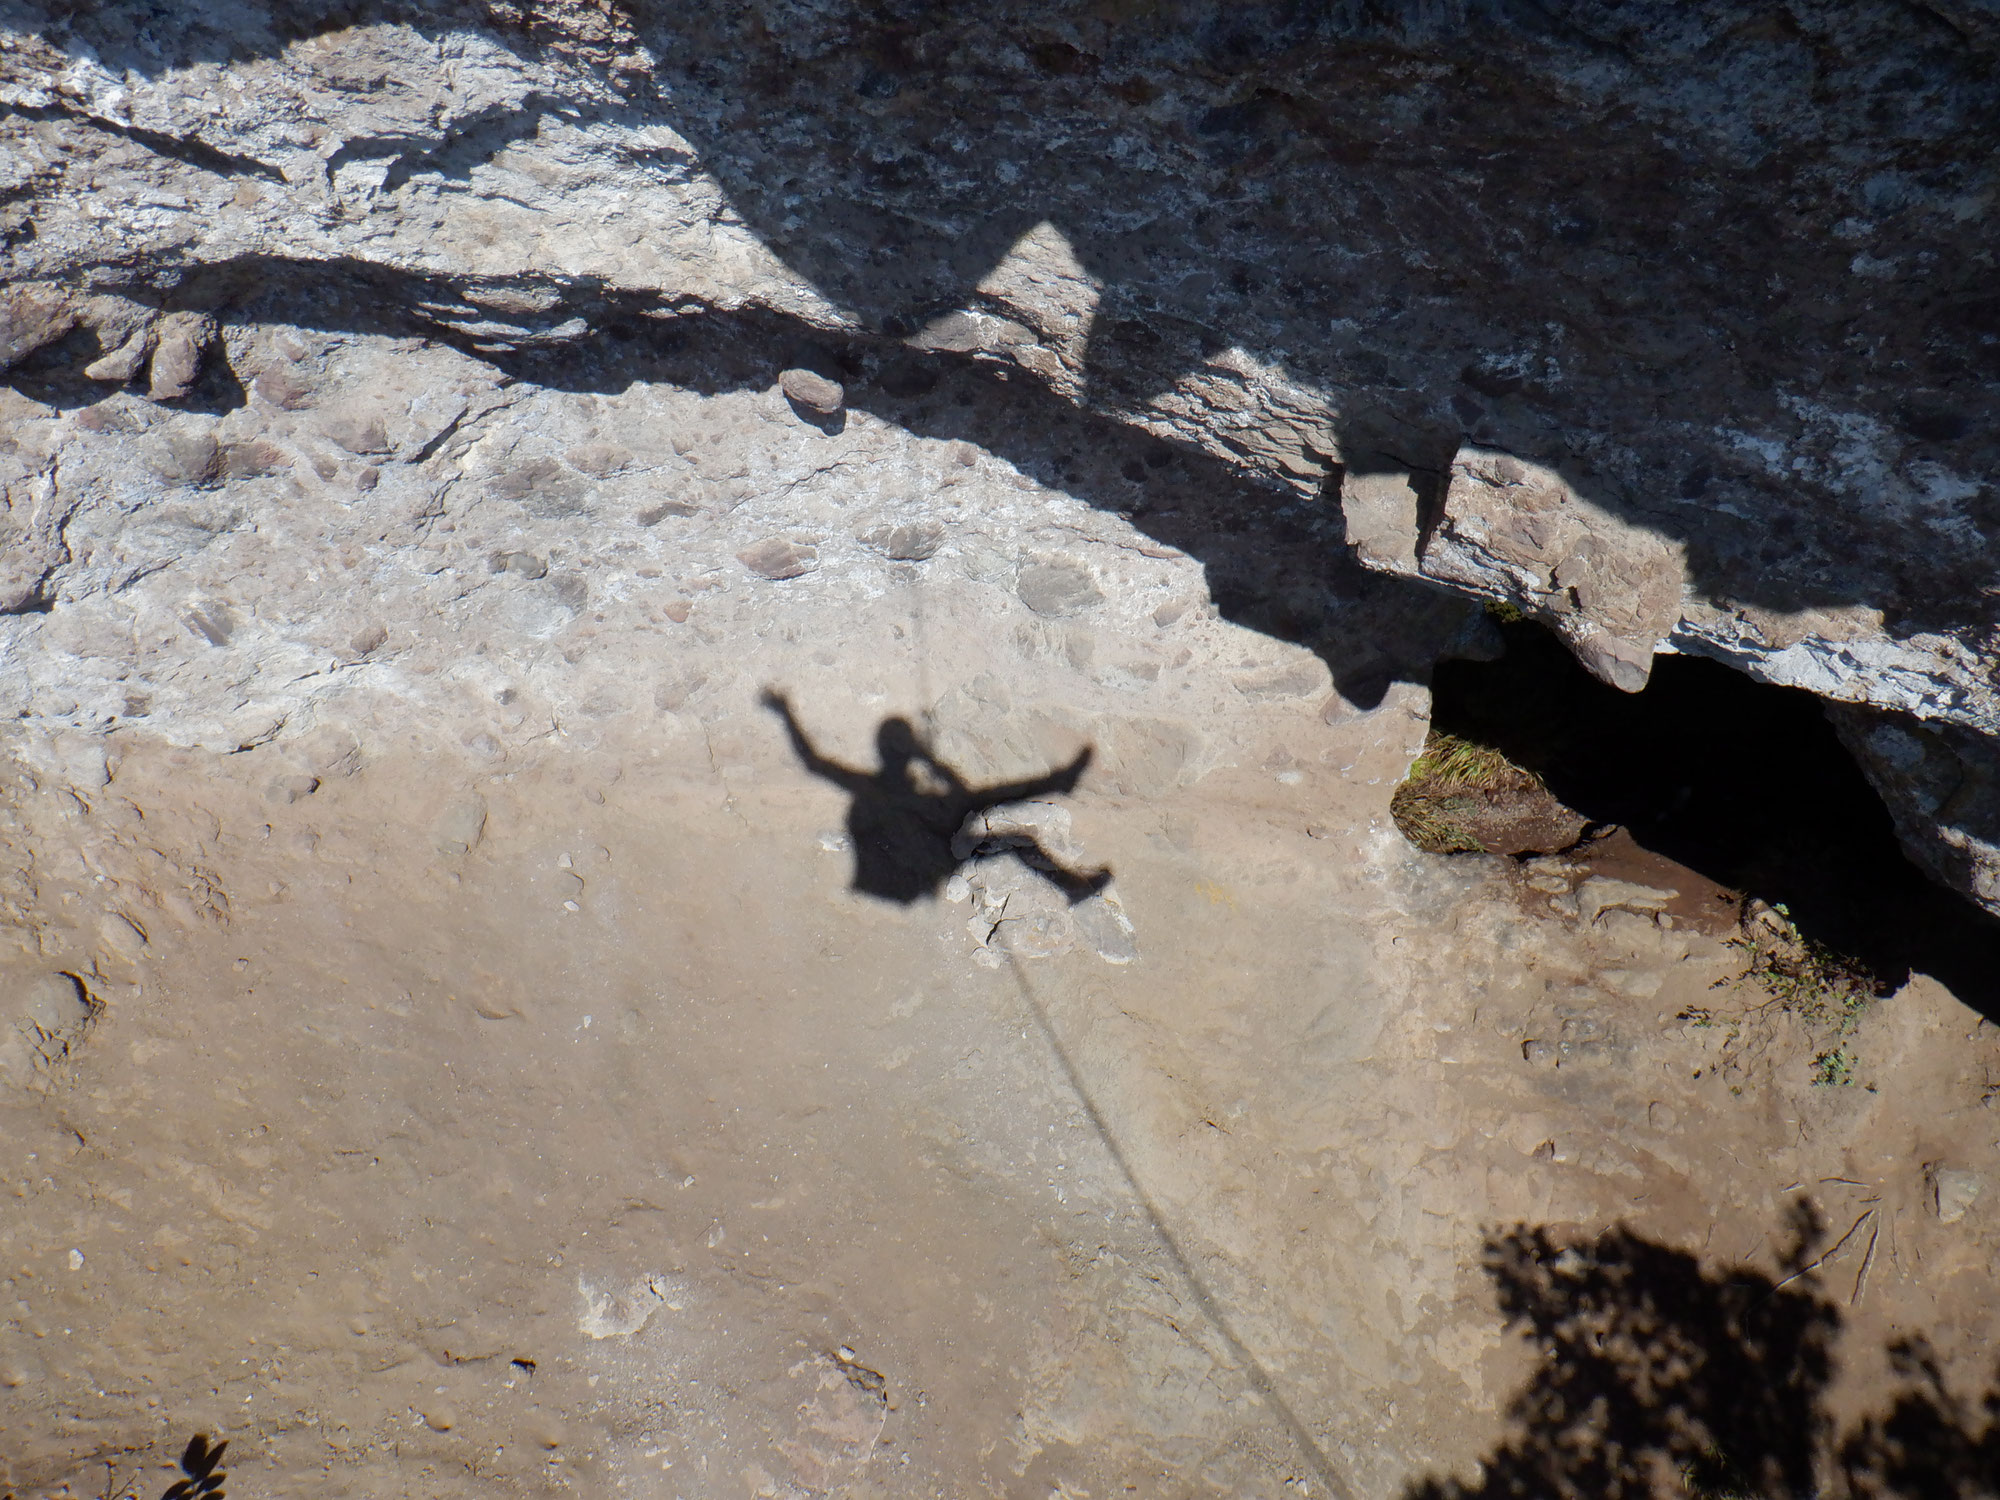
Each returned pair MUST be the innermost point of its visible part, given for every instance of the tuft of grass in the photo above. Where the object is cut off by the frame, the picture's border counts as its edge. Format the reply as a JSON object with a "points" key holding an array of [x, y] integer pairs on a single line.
{"points": [[1505, 613], [1429, 824], [1445, 779], [1450, 764]]}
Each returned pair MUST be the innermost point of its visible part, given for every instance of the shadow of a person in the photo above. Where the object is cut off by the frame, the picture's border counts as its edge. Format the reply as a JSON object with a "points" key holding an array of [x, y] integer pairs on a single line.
{"points": [[903, 815]]}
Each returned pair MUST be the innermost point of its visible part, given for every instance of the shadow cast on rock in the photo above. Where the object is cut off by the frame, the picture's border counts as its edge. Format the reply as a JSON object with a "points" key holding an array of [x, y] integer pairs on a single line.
{"points": [[1661, 1377], [1745, 783], [1274, 562]]}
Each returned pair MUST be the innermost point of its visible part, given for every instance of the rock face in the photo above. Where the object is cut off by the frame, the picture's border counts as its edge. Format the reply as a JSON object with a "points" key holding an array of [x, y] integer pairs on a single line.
{"points": [[1677, 325], [444, 1027], [1520, 534]]}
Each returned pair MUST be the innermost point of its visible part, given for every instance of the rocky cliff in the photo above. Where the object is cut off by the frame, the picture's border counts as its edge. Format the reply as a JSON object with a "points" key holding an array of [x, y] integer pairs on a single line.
{"points": [[1677, 326]]}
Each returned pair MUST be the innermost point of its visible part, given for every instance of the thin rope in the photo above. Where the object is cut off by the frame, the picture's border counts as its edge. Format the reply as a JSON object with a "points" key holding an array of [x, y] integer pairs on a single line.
{"points": [[1260, 1379], [920, 643]]}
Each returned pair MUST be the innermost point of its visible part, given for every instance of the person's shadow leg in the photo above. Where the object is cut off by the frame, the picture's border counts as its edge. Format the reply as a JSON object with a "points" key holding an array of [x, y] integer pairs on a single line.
{"points": [[1074, 884]]}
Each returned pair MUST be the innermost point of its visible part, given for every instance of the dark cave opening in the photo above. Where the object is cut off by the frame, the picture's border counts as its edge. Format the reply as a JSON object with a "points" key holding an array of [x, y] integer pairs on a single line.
{"points": [[1744, 783]]}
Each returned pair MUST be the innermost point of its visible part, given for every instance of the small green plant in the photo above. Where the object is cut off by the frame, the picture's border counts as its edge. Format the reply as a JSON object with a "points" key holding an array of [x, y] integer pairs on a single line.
{"points": [[1833, 1068], [1505, 613], [1802, 974], [1808, 979]]}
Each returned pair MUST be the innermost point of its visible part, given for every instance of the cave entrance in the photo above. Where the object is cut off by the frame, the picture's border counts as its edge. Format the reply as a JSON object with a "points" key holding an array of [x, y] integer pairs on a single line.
{"points": [[1743, 783]]}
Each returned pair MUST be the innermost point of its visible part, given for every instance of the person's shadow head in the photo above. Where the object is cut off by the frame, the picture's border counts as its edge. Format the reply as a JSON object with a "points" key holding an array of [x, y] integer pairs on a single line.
{"points": [[904, 814], [897, 748]]}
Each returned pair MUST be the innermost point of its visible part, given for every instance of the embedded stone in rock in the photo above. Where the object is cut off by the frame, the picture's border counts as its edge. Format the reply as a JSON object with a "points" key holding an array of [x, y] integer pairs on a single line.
{"points": [[599, 460], [619, 1312], [657, 512], [544, 486], [1954, 1191], [290, 789], [179, 350], [813, 391], [462, 826], [1017, 825], [1058, 588], [51, 1003], [914, 541], [253, 459], [778, 559], [520, 564], [281, 386], [1035, 934], [30, 317], [124, 362], [969, 333], [1292, 680], [1600, 894], [360, 430], [192, 456], [42, 1016], [1101, 922]]}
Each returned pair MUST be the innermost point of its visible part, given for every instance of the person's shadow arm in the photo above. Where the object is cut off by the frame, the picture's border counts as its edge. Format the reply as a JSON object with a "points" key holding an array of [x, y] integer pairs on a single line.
{"points": [[845, 777], [1058, 782]]}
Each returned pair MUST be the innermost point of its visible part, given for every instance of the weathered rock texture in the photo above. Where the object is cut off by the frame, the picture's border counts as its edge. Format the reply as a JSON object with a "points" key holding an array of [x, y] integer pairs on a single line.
{"points": [[441, 1045], [1677, 325]]}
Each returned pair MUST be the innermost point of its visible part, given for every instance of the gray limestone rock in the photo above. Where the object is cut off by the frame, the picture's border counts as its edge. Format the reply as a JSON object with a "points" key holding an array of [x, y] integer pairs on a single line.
{"points": [[1942, 787], [1521, 534], [1382, 512], [1590, 394], [31, 316]]}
